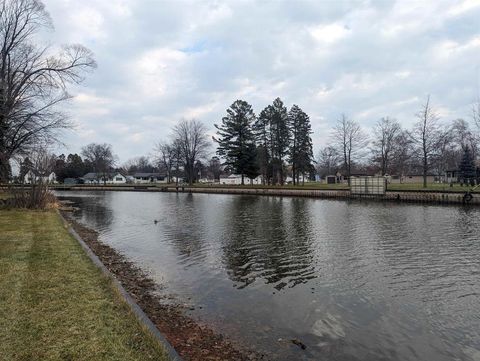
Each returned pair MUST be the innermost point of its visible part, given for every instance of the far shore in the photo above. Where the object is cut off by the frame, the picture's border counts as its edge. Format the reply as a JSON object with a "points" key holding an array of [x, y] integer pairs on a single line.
{"points": [[412, 193]]}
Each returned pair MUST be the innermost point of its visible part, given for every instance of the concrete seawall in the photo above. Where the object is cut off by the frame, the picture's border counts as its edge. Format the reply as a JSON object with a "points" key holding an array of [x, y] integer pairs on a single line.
{"points": [[392, 196]]}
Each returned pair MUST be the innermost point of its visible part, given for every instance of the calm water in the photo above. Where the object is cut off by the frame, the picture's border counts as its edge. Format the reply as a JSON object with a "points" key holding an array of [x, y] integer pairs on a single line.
{"points": [[351, 280]]}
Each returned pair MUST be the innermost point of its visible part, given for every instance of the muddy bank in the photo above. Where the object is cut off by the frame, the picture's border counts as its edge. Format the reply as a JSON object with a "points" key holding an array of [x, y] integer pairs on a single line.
{"points": [[191, 339]]}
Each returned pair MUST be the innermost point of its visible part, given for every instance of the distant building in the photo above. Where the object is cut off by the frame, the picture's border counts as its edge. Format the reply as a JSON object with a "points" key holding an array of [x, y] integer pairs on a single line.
{"points": [[70, 181], [100, 178], [33, 177], [411, 178], [142, 178], [236, 179]]}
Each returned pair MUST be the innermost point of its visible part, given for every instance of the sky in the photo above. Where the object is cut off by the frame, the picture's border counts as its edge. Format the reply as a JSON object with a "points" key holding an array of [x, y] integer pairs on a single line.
{"points": [[163, 61]]}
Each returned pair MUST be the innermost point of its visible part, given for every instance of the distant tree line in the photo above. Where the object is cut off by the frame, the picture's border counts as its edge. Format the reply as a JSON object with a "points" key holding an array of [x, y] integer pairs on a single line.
{"points": [[277, 143], [429, 147]]}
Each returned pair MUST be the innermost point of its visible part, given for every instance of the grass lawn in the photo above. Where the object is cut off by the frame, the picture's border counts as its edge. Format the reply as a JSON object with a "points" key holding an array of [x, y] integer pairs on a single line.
{"points": [[55, 304], [440, 187]]}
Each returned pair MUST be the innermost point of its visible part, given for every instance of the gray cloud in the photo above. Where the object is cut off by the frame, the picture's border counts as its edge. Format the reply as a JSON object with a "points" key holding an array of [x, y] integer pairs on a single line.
{"points": [[161, 61]]}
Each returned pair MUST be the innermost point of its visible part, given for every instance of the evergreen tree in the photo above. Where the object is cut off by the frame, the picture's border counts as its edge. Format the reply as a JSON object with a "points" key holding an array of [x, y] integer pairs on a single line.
{"points": [[301, 149], [251, 169], [235, 138], [261, 130], [467, 167], [276, 116]]}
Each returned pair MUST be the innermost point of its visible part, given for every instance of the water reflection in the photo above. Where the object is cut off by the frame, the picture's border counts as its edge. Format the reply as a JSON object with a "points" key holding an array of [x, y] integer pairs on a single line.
{"points": [[276, 249], [351, 280]]}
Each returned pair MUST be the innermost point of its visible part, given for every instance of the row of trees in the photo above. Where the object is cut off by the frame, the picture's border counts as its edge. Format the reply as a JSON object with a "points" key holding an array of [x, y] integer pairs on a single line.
{"points": [[428, 147], [252, 145]]}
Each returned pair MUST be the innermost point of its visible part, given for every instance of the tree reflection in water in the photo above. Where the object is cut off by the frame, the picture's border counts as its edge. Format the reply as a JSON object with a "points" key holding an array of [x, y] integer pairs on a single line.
{"points": [[276, 248]]}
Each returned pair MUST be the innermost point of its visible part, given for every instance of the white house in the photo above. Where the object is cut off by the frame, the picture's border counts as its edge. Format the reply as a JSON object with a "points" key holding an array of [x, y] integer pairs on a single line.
{"points": [[149, 178], [302, 178], [119, 179], [30, 177], [236, 179], [99, 178]]}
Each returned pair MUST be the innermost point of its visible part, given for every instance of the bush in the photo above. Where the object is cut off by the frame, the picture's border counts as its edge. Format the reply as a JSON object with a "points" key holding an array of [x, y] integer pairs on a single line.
{"points": [[35, 196]]}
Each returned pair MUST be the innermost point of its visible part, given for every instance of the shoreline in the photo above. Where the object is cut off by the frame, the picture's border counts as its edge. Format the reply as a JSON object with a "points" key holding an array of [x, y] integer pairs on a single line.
{"points": [[191, 339], [397, 196]]}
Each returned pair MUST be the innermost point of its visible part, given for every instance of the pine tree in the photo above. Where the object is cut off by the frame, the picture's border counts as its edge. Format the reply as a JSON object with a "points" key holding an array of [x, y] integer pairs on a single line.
{"points": [[262, 134], [467, 167], [276, 117], [236, 141], [301, 149]]}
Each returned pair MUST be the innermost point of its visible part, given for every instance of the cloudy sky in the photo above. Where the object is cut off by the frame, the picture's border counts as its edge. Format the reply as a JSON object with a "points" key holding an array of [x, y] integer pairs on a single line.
{"points": [[161, 61]]}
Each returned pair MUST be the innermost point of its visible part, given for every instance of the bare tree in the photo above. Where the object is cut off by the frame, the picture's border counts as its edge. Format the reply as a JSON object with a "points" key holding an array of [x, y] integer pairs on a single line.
{"points": [[426, 135], [476, 113], [385, 133], [43, 162], [215, 168], [464, 137], [166, 157], [138, 164], [101, 157], [33, 80], [328, 161], [191, 137], [402, 154], [350, 141]]}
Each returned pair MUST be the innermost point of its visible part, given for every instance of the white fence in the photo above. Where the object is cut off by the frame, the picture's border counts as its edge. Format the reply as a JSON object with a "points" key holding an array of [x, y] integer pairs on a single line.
{"points": [[368, 185]]}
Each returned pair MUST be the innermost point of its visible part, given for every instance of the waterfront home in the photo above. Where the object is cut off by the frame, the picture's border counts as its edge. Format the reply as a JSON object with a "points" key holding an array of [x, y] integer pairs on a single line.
{"points": [[451, 176], [141, 178], [411, 178], [236, 179], [34, 177], [107, 178]]}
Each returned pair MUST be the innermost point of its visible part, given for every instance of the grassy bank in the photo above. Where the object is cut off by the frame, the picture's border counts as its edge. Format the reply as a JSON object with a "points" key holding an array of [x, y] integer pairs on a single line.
{"points": [[439, 187], [55, 304]]}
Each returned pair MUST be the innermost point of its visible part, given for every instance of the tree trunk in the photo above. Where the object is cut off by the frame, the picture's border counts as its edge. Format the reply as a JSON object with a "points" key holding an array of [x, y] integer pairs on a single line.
{"points": [[425, 174], [243, 183], [4, 168]]}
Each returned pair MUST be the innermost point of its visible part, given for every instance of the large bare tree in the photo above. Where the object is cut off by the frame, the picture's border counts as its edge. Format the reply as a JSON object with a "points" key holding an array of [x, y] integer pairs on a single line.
{"points": [[167, 157], [33, 80], [385, 132], [191, 138], [328, 161], [476, 113], [427, 136], [101, 157], [350, 141]]}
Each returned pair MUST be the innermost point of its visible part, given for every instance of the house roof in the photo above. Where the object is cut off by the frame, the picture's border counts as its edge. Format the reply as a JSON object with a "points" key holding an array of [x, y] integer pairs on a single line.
{"points": [[145, 175], [90, 175]]}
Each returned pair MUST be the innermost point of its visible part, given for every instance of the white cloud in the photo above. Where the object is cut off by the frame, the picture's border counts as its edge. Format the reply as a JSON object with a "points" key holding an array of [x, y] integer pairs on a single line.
{"points": [[330, 33], [161, 61]]}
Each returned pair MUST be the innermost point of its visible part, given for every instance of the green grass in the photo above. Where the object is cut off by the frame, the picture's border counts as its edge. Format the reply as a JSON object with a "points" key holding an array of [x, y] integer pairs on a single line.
{"points": [[55, 304], [439, 187]]}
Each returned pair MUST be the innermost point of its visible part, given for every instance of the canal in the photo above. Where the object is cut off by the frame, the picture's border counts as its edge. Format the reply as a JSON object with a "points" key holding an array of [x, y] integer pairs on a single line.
{"points": [[351, 280]]}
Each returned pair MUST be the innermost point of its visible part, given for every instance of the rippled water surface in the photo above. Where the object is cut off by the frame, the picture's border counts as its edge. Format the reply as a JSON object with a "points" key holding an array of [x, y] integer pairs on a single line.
{"points": [[351, 280]]}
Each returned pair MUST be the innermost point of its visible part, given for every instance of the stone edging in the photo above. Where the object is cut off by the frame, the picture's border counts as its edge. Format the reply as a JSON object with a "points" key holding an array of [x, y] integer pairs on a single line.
{"points": [[141, 316]]}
